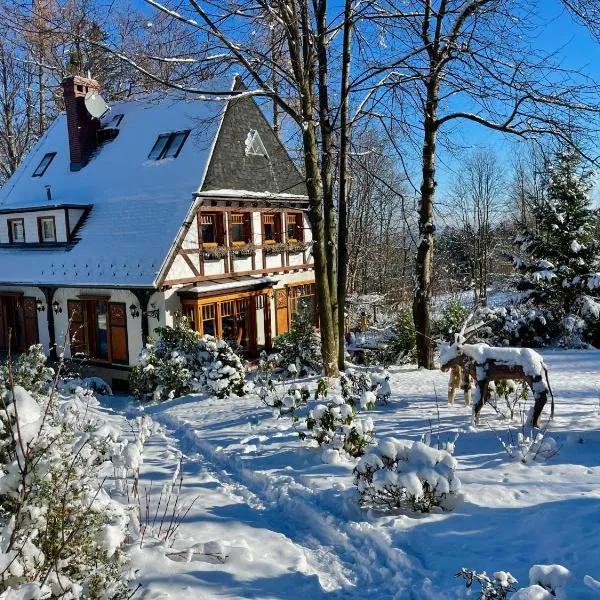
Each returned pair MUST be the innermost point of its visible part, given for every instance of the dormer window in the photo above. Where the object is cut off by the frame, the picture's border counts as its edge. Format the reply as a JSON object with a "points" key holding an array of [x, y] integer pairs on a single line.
{"points": [[168, 145], [44, 164], [16, 231], [47, 229], [254, 145]]}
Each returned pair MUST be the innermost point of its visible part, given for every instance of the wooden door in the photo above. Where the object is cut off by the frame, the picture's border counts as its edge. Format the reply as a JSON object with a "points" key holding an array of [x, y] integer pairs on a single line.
{"points": [[11, 323], [281, 311]]}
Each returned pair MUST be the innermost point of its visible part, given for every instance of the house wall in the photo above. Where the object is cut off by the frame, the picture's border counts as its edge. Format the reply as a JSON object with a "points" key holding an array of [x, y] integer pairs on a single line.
{"points": [[189, 267], [134, 324]]}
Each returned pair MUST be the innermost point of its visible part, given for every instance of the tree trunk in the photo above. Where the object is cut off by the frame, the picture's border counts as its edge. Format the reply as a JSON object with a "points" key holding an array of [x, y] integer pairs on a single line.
{"points": [[326, 128], [421, 302], [314, 186], [342, 253]]}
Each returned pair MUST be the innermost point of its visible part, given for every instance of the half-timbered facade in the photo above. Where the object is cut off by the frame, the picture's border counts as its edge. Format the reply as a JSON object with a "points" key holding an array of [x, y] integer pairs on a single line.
{"points": [[162, 207]]}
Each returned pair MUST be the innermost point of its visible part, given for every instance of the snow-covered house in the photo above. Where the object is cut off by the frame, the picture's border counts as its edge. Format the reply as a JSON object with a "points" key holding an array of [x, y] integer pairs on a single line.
{"points": [[161, 207]]}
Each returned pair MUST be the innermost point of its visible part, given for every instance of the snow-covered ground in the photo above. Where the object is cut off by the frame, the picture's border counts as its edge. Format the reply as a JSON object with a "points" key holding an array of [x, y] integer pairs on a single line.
{"points": [[289, 526]]}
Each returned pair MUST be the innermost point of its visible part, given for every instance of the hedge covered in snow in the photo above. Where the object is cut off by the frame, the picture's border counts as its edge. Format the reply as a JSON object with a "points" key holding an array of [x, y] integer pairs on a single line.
{"points": [[180, 361], [403, 474]]}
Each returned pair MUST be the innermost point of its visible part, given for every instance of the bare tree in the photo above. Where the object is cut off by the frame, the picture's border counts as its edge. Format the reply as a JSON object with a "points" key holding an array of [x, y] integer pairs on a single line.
{"points": [[380, 221], [477, 201]]}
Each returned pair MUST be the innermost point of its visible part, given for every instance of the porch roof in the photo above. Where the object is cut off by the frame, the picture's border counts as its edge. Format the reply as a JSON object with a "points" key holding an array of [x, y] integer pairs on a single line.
{"points": [[220, 286]]}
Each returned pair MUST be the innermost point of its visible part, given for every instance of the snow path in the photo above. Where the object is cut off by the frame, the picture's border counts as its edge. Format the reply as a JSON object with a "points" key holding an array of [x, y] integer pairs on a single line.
{"points": [[371, 565]]}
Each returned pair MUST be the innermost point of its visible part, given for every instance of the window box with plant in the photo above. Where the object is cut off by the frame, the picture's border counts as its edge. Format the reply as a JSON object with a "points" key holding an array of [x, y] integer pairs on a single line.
{"points": [[294, 246], [240, 250], [273, 247], [211, 251]]}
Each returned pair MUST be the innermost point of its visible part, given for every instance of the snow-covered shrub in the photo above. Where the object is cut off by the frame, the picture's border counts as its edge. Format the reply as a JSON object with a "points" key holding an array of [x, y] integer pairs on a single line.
{"points": [[363, 389], [546, 582], [280, 395], [180, 362], [519, 325], [299, 350], [529, 448], [60, 533], [403, 474], [496, 587], [29, 370], [335, 426]]}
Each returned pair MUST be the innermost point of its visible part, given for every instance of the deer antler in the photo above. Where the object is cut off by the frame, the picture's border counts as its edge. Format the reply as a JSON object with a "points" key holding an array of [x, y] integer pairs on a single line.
{"points": [[460, 338], [466, 332]]}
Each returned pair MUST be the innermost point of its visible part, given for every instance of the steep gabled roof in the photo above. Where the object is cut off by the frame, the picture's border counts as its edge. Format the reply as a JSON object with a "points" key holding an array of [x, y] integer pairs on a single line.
{"points": [[138, 205]]}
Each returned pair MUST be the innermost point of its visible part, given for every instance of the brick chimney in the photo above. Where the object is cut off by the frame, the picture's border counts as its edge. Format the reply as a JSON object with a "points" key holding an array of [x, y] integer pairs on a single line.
{"points": [[82, 127]]}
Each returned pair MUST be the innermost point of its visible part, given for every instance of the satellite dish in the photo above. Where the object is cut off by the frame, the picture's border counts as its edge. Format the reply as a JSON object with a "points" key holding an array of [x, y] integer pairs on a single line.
{"points": [[95, 105]]}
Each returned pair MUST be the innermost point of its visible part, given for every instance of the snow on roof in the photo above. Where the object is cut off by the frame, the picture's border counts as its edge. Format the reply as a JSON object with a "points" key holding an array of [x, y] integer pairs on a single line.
{"points": [[227, 284], [139, 205], [251, 195]]}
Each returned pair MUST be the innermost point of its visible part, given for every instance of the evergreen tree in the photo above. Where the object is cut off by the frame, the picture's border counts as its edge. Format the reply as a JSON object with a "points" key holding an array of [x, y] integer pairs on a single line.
{"points": [[560, 258]]}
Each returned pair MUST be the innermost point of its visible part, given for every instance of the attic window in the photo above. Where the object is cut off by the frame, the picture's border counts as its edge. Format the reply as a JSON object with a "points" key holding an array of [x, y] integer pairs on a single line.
{"points": [[254, 145], [16, 231], [168, 145], [44, 164]]}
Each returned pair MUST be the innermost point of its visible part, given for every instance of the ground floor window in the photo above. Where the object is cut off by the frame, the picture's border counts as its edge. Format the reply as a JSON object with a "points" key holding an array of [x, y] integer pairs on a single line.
{"points": [[230, 318], [18, 322], [98, 329]]}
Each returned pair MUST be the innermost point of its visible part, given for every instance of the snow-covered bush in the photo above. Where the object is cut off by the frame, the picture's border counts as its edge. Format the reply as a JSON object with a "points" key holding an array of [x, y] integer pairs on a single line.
{"points": [[529, 448], [363, 389], [299, 350], [280, 395], [335, 426], [403, 474], [546, 582], [180, 362], [60, 533], [29, 370], [496, 587], [518, 325]]}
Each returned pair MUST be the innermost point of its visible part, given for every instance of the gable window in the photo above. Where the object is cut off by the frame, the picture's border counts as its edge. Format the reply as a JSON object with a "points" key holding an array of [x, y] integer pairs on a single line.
{"points": [[168, 145], [240, 228], [254, 145], [295, 227], [44, 164], [47, 229], [211, 229], [271, 228], [16, 231]]}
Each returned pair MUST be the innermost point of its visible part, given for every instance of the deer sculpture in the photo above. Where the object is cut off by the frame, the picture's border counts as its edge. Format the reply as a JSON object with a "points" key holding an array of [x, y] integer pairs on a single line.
{"points": [[482, 364]]}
